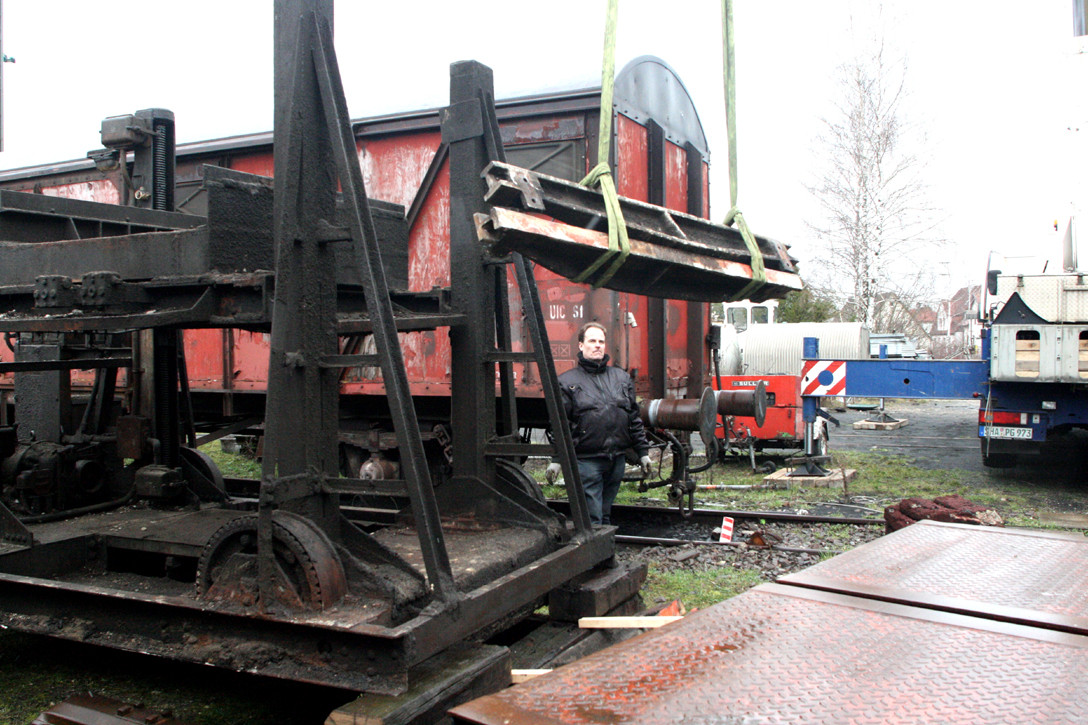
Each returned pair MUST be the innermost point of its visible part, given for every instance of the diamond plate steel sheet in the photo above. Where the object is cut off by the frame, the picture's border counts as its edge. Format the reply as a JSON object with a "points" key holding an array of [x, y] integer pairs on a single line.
{"points": [[779, 654], [1038, 578]]}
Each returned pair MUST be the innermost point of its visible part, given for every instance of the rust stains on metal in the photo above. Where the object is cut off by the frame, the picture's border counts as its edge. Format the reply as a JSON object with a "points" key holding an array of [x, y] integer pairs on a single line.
{"points": [[688, 274]]}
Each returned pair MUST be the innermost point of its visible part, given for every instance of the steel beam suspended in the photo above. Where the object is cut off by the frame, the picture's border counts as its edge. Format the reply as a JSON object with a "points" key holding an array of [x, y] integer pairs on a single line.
{"points": [[651, 269], [673, 255]]}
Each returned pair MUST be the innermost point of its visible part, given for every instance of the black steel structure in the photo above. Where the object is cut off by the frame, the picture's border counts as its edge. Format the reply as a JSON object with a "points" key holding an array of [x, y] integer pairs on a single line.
{"points": [[283, 585], [116, 530]]}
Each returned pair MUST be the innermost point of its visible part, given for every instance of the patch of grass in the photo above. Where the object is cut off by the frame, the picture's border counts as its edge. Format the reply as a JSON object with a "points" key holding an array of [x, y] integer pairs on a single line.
{"points": [[839, 533], [885, 478], [697, 590], [233, 465]]}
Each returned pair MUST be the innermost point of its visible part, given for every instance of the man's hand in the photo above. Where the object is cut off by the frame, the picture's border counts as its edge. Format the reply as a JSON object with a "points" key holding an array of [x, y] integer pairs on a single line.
{"points": [[552, 474], [646, 464]]}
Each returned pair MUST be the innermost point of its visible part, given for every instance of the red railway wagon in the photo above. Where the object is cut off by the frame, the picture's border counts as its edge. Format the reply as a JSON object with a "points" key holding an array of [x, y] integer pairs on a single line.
{"points": [[659, 154]]}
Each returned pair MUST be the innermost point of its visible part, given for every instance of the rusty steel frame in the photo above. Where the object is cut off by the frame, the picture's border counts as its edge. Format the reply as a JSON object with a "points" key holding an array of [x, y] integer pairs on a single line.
{"points": [[301, 421]]}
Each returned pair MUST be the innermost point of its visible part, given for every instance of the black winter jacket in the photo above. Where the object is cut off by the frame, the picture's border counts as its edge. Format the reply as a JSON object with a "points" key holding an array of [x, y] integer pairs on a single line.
{"points": [[600, 404]]}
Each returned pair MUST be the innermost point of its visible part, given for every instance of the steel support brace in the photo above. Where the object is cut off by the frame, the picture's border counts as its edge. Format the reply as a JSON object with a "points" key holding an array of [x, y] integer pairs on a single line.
{"points": [[12, 530], [301, 417], [564, 444], [472, 284], [479, 293], [361, 225]]}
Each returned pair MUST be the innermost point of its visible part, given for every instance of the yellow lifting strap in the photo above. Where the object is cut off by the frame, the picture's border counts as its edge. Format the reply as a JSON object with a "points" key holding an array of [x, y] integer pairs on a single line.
{"points": [[601, 174], [759, 274]]}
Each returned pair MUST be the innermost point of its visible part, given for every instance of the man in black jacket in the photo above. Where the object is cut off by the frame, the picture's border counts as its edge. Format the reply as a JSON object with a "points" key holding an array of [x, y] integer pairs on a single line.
{"points": [[600, 404]]}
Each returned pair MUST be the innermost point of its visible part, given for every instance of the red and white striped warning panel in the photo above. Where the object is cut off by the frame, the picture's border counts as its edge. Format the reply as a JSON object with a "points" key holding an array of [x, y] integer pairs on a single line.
{"points": [[823, 377], [726, 534]]}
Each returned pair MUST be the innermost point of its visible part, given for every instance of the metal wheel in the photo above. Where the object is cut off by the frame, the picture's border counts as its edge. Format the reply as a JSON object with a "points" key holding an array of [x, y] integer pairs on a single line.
{"points": [[307, 572], [515, 476], [203, 475]]}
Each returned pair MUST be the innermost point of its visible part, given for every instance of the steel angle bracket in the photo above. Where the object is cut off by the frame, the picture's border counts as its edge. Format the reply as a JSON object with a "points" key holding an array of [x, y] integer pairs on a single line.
{"points": [[12, 530]]}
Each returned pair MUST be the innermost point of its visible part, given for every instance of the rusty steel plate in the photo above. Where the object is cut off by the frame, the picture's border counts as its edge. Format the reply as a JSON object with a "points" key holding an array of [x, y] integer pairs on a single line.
{"points": [[1039, 578], [779, 654]]}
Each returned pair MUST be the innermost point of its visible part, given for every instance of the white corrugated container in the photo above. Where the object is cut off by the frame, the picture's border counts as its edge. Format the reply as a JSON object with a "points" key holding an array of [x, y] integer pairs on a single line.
{"points": [[777, 349]]}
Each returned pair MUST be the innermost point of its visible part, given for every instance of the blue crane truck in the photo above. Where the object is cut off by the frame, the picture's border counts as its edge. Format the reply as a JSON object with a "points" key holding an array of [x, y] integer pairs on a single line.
{"points": [[1031, 381]]}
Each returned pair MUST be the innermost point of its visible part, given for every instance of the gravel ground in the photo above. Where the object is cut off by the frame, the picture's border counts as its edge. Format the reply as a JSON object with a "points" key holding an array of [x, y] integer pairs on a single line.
{"points": [[940, 435], [770, 563]]}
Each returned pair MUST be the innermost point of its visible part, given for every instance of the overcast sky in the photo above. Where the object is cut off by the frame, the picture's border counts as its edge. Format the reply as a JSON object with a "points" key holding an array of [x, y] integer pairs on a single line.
{"points": [[993, 87]]}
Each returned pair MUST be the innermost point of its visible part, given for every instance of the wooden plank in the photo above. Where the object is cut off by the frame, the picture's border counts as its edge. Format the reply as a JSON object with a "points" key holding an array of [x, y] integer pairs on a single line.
{"points": [[519, 676], [638, 622]]}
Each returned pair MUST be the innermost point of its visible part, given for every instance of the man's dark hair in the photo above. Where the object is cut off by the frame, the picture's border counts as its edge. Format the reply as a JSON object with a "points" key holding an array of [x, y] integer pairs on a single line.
{"points": [[582, 331]]}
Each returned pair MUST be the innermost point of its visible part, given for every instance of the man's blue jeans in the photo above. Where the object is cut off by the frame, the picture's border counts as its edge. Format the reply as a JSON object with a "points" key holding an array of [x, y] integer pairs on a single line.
{"points": [[601, 480]]}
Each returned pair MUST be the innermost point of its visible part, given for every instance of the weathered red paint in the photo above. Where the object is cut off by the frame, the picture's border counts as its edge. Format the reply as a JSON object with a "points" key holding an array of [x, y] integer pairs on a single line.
{"points": [[259, 163], [100, 190], [541, 130], [676, 170]]}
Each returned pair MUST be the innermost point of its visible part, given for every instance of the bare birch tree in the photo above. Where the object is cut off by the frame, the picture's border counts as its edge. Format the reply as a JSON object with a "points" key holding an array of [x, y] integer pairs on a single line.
{"points": [[877, 225]]}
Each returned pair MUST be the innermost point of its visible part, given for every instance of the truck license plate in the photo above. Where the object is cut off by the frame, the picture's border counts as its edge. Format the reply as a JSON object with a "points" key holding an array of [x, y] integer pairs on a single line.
{"points": [[998, 431]]}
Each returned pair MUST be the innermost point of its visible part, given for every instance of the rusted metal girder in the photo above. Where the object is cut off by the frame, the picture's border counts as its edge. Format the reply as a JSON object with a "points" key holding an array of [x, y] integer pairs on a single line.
{"points": [[673, 255]]}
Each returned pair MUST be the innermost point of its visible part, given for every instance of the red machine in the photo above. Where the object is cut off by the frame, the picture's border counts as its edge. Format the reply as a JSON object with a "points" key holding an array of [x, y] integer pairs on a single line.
{"points": [[782, 426]]}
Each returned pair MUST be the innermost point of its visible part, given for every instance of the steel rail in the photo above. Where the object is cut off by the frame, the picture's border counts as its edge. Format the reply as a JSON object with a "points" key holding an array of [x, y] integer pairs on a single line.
{"points": [[717, 514], [655, 541]]}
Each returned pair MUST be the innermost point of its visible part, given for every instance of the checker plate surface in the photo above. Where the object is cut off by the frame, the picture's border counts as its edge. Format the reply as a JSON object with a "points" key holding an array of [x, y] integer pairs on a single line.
{"points": [[779, 654], [1017, 575]]}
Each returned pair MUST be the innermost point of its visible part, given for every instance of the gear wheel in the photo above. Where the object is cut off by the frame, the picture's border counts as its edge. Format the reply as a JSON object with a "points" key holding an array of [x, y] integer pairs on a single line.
{"points": [[308, 573]]}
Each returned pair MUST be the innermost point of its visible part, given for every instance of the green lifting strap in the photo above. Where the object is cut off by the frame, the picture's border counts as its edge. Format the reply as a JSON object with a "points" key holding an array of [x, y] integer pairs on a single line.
{"points": [[601, 174], [759, 273]]}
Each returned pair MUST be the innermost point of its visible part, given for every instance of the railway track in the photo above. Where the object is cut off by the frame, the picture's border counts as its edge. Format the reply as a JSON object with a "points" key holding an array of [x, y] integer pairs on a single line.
{"points": [[772, 530], [659, 526]]}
